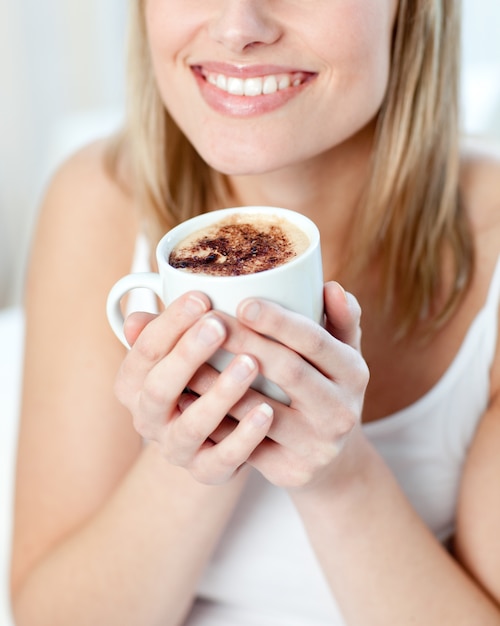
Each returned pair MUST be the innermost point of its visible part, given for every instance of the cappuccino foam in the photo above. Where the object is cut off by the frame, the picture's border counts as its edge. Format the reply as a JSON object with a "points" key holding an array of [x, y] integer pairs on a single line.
{"points": [[240, 244]]}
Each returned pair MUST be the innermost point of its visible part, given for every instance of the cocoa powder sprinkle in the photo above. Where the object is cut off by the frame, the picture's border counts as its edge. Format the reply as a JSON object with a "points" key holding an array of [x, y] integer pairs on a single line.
{"points": [[234, 250]]}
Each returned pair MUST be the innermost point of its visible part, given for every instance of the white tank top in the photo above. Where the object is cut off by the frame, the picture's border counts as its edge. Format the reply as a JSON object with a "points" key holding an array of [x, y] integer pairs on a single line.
{"points": [[264, 572]]}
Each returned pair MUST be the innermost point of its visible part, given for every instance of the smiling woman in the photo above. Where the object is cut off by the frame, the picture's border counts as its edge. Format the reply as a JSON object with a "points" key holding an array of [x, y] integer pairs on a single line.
{"points": [[152, 488], [343, 66]]}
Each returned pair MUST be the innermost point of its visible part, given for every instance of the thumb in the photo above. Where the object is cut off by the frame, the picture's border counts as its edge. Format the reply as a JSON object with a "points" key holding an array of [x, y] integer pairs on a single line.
{"points": [[343, 315]]}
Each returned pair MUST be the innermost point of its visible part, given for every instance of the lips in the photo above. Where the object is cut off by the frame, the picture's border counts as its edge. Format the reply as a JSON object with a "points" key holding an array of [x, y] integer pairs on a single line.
{"points": [[248, 91], [256, 85]]}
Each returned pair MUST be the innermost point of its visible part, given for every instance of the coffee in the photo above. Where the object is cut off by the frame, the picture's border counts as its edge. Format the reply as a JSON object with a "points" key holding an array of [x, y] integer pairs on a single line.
{"points": [[239, 245]]}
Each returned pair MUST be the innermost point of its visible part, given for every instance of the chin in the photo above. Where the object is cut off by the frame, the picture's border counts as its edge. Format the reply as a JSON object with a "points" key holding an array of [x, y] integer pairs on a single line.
{"points": [[232, 152], [240, 164], [250, 159]]}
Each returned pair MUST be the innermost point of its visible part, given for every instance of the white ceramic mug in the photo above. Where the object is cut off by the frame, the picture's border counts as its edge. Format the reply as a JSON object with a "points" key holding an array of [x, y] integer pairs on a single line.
{"points": [[297, 284]]}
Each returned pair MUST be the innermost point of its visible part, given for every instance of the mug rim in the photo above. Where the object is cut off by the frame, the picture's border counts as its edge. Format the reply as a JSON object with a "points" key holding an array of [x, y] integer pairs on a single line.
{"points": [[174, 235]]}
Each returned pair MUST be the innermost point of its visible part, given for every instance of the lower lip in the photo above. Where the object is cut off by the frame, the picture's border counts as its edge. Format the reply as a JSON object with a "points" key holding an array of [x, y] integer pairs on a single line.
{"points": [[245, 106]]}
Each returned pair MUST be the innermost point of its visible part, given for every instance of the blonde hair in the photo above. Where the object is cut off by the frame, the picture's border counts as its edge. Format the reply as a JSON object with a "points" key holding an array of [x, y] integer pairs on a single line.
{"points": [[410, 220]]}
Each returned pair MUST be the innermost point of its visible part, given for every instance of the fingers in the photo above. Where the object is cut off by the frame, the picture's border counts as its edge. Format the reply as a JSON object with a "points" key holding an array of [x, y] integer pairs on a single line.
{"points": [[152, 337], [319, 368], [171, 350], [161, 334], [135, 324], [214, 463], [309, 343], [165, 381], [201, 417], [200, 437], [343, 315], [137, 385]]}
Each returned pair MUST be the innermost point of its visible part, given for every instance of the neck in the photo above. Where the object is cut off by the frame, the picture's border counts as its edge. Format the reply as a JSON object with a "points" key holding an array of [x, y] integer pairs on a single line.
{"points": [[327, 189]]}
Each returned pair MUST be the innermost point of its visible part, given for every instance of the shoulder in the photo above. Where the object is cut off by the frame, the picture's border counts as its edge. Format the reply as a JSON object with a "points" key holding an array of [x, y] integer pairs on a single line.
{"points": [[481, 189], [83, 243], [87, 186], [87, 207], [480, 183]]}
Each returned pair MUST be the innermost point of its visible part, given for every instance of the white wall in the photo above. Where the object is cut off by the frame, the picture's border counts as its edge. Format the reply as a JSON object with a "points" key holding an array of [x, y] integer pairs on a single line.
{"points": [[58, 59], [61, 81], [481, 66]]}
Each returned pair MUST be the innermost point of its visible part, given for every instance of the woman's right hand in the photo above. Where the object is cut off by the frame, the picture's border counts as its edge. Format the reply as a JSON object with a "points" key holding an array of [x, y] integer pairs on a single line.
{"points": [[167, 351]]}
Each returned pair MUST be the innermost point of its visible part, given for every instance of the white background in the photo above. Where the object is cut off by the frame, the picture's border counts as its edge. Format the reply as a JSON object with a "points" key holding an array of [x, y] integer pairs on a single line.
{"points": [[61, 83], [61, 80]]}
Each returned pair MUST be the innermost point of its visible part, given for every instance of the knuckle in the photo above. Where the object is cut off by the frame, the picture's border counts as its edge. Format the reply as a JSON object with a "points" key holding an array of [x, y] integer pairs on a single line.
{"points": [[293, 373], [192, 430], [229, 459], [189, 429], [152, 394], [143, 427], [317, 341], [147, 349], [361, 374], [346, 421]]}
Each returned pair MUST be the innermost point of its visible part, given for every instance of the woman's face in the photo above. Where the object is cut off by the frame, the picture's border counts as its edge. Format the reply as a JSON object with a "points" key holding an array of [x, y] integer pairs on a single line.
{"points": [[258, 85]]}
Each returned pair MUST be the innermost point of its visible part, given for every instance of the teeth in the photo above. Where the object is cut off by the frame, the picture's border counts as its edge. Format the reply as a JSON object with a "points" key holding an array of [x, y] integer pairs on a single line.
{"points": [[235, 86], [270, 85], [255, 86], [221, 82], [284, 82]]}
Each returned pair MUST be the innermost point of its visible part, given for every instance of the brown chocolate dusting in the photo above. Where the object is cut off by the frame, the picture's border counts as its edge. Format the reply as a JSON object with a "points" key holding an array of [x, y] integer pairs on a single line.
{"points": [[236, 250]]}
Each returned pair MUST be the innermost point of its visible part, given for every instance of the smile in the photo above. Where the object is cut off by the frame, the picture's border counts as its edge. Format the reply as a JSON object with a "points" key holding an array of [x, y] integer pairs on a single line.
{"points": [[256, 85], [248, 92]]}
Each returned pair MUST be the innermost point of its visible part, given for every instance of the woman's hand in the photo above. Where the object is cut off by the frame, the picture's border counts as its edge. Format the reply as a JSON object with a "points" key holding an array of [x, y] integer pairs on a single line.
{"points": [[167, 351], [321, 370]]}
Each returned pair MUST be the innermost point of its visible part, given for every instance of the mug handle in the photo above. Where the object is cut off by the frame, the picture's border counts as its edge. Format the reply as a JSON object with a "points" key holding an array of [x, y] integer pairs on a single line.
{"points": [[143, 280]]}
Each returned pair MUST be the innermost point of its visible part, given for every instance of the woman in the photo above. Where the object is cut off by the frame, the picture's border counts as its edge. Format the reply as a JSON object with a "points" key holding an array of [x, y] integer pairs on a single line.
{"points": [[152, 506]]}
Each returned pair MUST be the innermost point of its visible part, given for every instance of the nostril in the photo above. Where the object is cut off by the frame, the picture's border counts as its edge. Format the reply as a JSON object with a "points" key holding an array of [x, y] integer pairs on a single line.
{"points": [[244, 26]]}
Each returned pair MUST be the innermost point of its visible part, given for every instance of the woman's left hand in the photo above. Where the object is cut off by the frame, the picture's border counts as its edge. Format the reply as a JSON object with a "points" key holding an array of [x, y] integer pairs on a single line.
{"points": [[320, 369]]}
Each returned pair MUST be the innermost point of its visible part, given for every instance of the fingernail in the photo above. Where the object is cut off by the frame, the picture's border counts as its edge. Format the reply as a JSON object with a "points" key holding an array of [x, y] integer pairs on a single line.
{"points": [[211, 331], [262, 415], [250, 311], [195, 306], [242, 367]]}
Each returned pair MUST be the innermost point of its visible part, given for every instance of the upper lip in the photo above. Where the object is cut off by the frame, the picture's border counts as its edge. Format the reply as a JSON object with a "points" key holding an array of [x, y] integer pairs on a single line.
{"points": [[247, 71]]}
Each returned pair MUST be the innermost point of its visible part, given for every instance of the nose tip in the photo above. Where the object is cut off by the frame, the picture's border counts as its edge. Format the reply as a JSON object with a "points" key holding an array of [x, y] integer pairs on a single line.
{"points": [[244, 24]]}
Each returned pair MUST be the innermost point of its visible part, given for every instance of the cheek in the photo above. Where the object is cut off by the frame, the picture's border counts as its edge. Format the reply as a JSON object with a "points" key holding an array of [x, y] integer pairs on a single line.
{"points": [[170, 27], [359, 46]]}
